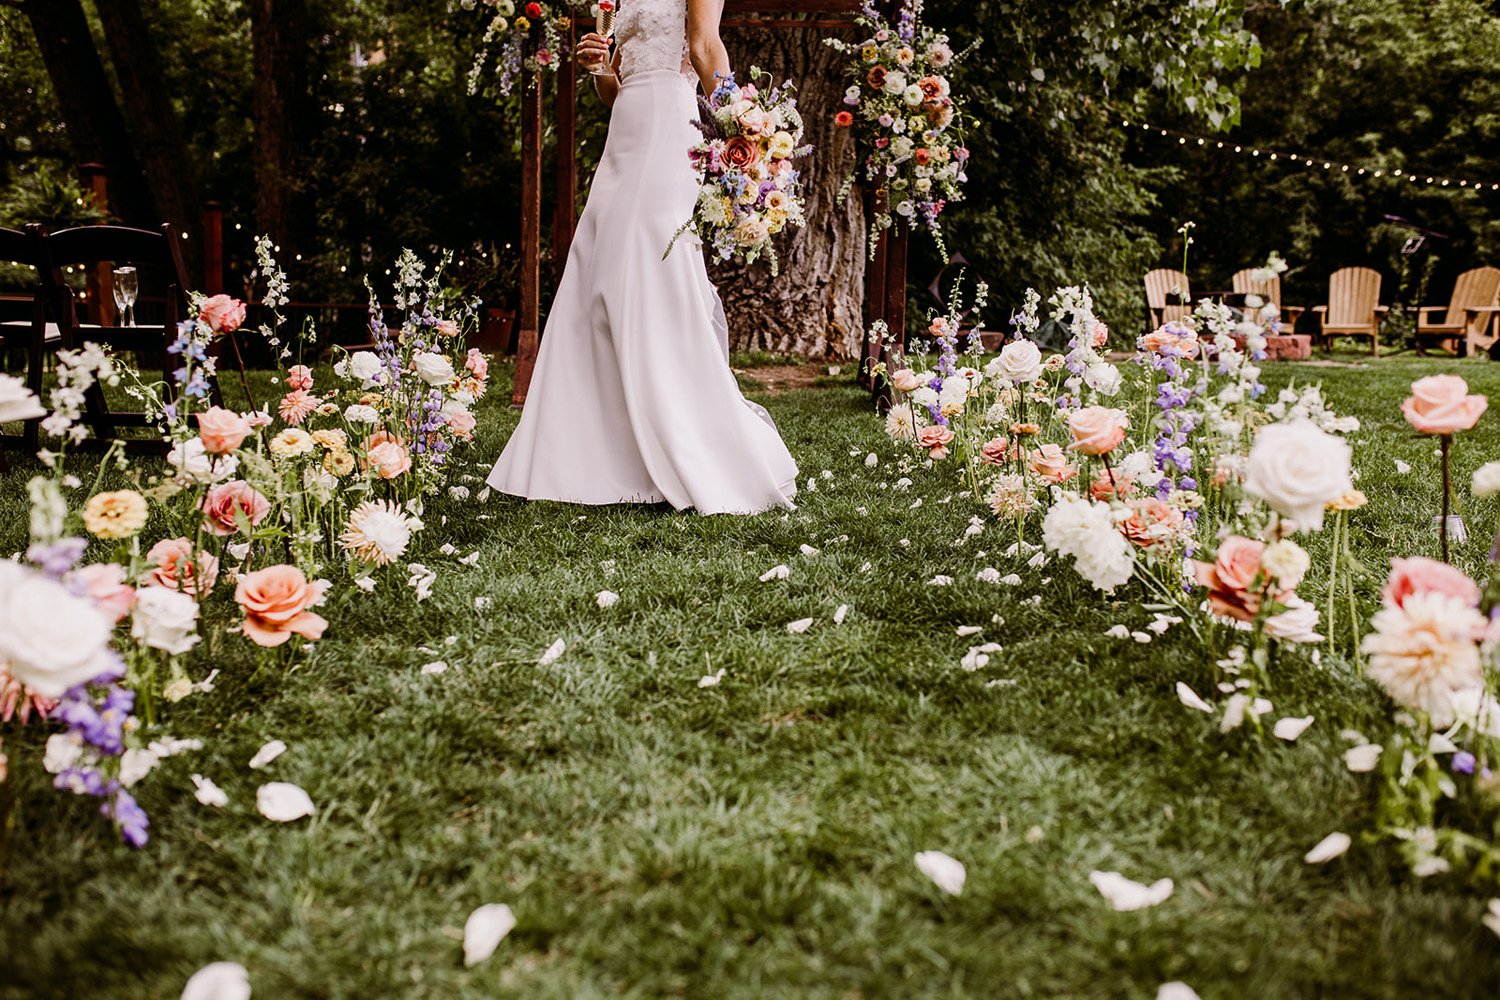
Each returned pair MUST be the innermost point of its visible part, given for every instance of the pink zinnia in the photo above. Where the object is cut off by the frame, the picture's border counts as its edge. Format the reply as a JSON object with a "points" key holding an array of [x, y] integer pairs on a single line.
{"points": [[297, 406]]}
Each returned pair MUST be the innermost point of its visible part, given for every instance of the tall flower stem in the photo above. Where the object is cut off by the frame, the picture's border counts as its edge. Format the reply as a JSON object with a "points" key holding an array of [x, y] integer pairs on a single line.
{"points": [[1446, 445]]}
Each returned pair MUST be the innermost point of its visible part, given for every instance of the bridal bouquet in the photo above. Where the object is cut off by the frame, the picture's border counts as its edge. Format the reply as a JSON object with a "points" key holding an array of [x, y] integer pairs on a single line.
{"points": [[904, 117], [749, 186]]}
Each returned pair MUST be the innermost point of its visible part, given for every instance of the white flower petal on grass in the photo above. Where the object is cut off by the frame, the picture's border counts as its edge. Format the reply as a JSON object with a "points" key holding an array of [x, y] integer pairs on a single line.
{"points": [[1117, 632], [435, 667], [780, 572], [872, 460], [799, 626], [283, 802], [968, 630], [606, 598], [1291, 727], [1330, 847], [472, 559], [1126, 895], [808, 550], [1190, 698], [1141, 637], [711, 680], [1011, 580], [266, 754], [840, 613], [218, 981], [978, 657], [486, 927], [1176, 991], [1363, 758], [553, 653], [448, 548], [1401, 467], [1438, 743], [946, 872], [208, 793], [365, 583], [1491, 918], [988, 575], [480, 603], [940, 581]]}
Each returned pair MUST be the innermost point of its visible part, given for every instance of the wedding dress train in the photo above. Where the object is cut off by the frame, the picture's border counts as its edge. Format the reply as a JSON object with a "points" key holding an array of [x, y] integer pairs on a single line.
{"points": [[632, 399]]}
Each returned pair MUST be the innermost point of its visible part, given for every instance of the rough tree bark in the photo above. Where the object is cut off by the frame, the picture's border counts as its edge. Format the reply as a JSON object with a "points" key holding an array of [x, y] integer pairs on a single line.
{"points": [[96, 128], [278, 29], [816, 306], [153, 120]]}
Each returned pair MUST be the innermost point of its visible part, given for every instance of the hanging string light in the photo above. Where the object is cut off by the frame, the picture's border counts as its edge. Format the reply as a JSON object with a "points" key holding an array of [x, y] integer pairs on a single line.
{"points": [[1312, 162]]}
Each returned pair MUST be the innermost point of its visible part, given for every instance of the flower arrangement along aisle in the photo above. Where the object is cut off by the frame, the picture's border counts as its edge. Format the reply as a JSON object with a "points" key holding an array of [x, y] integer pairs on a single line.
{"points": [[523, 34], [749, 188], [252, 519], [906, 122]]}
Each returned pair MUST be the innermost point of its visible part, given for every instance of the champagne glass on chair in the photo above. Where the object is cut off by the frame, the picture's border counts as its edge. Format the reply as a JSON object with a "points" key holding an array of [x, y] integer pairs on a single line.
{"points": [[126, 287]]}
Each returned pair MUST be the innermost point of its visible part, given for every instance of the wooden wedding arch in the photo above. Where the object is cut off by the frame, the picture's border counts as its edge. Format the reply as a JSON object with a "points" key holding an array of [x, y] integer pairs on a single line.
{"points": [[885, 275]]}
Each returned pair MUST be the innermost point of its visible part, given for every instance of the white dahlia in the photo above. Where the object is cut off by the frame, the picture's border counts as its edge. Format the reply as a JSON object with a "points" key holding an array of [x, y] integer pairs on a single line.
{"points": [[1425, 651], [377, 532]]}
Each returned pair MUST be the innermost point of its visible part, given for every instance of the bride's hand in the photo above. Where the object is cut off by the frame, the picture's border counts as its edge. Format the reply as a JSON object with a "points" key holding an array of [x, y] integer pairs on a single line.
{"points": [[593, 52]]}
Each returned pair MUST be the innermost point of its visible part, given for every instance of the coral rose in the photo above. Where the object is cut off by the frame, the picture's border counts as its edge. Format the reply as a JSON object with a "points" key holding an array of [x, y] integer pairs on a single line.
{"points": [[1418, 575], [1105, 488], [389, 459], [904, 380], [1441, 404], [996, 450], [221, 430], [477, 363], [299, 377], [935, 438], [1051, 463], [462, 424], [222, 313], [1151, 522], [1173, 339], [276, 601], [740, 152], [446, 328], [1097, 430], [227, 500], [1232, 577], [173, 567]]}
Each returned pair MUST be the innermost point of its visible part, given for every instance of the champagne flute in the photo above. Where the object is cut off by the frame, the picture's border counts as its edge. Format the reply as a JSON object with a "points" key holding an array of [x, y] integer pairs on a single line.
{"points": [[604, 24], [126, 287]]}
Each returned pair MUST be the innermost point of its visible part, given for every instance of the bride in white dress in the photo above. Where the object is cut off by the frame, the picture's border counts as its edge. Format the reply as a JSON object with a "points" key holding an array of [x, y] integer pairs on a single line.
{"points": [[632, 399]]}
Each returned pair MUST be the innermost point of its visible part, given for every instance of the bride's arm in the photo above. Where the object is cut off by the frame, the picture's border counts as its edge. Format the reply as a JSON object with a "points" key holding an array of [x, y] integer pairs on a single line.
{"points": [[705, 48], [593, 50]]}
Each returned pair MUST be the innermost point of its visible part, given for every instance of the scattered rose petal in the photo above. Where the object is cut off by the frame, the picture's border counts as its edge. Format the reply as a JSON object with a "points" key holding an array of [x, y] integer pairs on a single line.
{"points": [[283, 802], [1011, 580], [484, 930], [1176, 991], [947, 873], [988, 575], [365, 583], [799, 626], [1401, 467], [1363, 758], [553, 653], [967, 630], [218, 981], [711, 680], [872, 460], [447, 548], [776, 573], [865, 567], [471, 559], [208, 793], [480, 603], [1291, 727], [978, 657], [1330, 847], [606, 598], [1141, 637], [1126, 895], [1491, 918], [266, 754], [1190, 698], [808, 550], [1117, 632], [435, 667], [940, 581], [840, 613]]}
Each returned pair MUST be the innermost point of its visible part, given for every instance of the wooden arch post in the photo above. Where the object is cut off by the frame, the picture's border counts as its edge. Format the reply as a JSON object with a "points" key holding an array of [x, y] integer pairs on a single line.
{"points": [[885, 292]]}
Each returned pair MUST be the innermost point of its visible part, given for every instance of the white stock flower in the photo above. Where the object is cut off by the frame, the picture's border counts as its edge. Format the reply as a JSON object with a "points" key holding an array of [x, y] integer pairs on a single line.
{"points": [[434, 369], [359, 413], [50, 639], [1297, 469], [1103, 378], [165, 619]]}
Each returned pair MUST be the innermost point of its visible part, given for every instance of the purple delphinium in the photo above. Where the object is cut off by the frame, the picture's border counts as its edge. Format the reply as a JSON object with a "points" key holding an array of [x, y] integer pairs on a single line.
{"points": [[97, 716], [1463, 762], [56, 558]]}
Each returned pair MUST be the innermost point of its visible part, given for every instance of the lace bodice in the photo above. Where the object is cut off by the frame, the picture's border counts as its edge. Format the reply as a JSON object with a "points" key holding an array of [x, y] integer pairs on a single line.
{"points": [[652, 35]]}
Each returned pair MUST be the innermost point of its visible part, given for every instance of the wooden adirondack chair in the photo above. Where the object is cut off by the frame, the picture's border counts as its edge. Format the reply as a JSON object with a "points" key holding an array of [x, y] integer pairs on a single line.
{"points": [[1245, 284], [1353, 308], [1164, 284], [1469, 317]]}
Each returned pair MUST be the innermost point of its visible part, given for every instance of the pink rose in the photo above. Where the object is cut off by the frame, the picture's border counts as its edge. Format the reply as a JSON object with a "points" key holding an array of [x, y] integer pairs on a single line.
{"points": [[1441, 404], [1101, 334], [904, 379], [1230, 577], [996, 450], [221, 430], [1173, 340], [299, 377], [226, 500], [1051, 463], [275, 601], [477, 363], [1105, 487], [1097, 430], [446, 328], [1151, 522], [1418, 575], [104, 584], [461, 423], [389, 459], [935, 438], [173, 567], [222, 313]]}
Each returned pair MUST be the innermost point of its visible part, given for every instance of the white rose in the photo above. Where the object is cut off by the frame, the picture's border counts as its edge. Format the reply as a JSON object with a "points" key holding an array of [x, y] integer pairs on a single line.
{"points": [[359, 413], [954, 394], [51, 640], [1487, 479], [194, 463], [1297, 469], [165, 619], [895, 83], [434, 369], [367, 368], [1103, 378], [18, 402], [925, 395], [1286, 561], [1020, 361]]}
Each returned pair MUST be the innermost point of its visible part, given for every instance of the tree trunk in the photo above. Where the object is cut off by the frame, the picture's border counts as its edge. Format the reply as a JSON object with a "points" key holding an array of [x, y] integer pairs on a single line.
{"points": [[279, 30], [816, 306], [154, 125], [96, 130]]}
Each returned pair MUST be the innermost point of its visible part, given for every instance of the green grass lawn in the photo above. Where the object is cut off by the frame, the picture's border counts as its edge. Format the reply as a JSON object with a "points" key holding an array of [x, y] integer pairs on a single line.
{"points": [[755, 839]]}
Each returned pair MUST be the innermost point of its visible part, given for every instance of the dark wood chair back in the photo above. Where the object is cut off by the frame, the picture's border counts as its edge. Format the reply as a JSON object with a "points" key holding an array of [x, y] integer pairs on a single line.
{"points": [[30, 336]]}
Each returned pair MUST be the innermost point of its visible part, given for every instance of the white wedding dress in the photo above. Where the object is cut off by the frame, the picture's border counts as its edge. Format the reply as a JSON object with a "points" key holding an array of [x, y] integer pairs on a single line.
{"points": [[632, 399]]}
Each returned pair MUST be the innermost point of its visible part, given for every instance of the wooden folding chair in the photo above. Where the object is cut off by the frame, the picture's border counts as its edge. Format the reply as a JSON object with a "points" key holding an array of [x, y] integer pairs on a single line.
{"points": [[158, 259], [1162, 284], [1244, 283], [1468, 316], [1353, 308], [36, 336]]}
